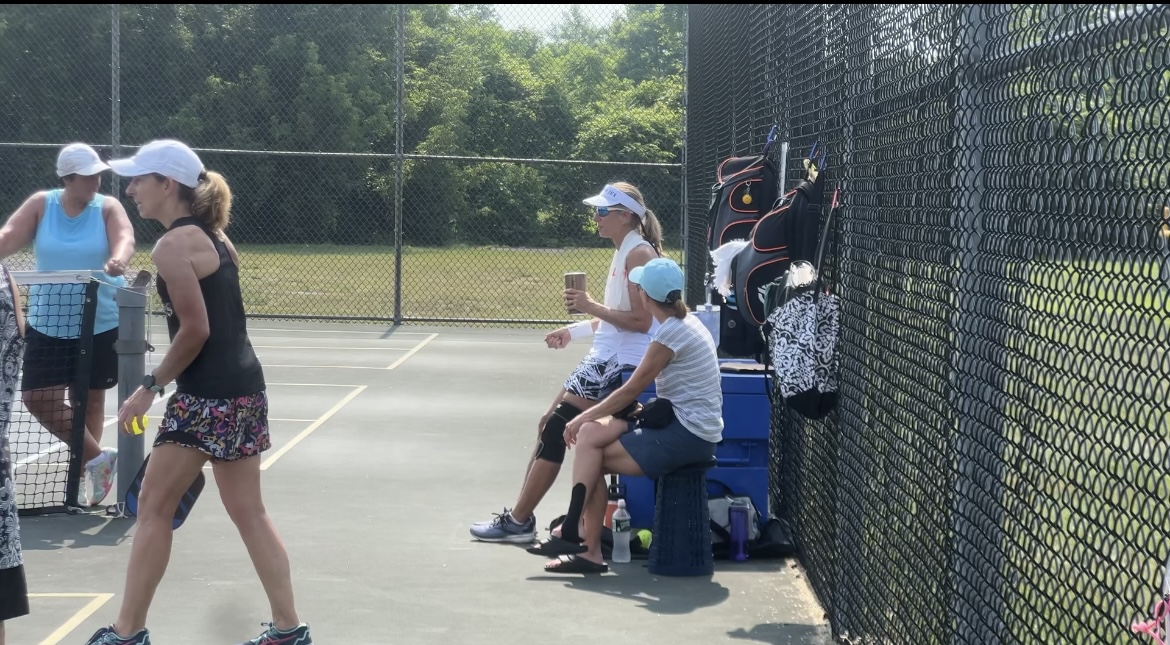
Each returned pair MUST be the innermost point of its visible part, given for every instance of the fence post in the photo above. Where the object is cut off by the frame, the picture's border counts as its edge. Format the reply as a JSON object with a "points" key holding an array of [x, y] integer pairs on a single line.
{"points": [[115, 93], [977, 366], [399, 82], [684, 207], [131, 349]]}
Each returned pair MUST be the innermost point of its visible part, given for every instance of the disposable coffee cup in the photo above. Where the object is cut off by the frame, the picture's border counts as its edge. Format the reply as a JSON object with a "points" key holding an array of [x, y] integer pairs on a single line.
{"points": [[575, 281]]}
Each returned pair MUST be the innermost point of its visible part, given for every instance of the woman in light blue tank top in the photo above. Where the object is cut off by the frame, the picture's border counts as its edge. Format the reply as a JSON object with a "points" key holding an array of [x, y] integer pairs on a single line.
{"points": [[72, 228]]}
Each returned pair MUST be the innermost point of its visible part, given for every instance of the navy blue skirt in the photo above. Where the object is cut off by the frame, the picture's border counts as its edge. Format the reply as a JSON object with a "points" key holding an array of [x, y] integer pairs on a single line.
{"points": [[658, 451]]}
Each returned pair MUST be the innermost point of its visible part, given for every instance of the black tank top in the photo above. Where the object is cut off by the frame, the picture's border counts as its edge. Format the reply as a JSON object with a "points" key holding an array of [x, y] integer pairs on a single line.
{"points": [[227, 366]]}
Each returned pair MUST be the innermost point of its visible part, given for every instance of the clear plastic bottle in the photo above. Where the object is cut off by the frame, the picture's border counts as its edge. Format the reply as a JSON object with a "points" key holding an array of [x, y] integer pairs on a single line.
{"points": [[621, 533]]}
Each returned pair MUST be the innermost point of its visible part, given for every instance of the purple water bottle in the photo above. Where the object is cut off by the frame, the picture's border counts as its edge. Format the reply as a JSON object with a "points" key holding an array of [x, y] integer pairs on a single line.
{"points": [[738, 516]]}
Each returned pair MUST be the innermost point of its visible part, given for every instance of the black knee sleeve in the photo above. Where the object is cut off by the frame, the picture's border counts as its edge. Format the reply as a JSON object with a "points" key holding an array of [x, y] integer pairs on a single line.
{"points": [[552, 437]]}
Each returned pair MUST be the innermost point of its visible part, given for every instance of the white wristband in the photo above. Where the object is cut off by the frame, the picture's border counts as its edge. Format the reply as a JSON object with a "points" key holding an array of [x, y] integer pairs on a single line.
{"points": [[581, 329]]}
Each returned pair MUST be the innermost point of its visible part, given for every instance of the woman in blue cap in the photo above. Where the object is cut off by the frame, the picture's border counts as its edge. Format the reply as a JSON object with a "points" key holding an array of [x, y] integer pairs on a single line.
{"points": [[683, 428]]}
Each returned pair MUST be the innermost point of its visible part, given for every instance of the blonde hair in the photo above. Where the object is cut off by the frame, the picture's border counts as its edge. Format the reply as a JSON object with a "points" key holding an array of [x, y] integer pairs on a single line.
{"points": [[211, 200], [648, 228]]}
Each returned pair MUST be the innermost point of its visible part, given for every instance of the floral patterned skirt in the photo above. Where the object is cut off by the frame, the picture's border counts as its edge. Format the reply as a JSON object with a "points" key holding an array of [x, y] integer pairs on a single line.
{"points": [[225, 429]]}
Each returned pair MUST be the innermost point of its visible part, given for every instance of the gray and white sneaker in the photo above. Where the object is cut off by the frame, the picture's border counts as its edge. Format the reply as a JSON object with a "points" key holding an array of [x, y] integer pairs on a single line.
{"points": [[102, 475], [505, 529]]}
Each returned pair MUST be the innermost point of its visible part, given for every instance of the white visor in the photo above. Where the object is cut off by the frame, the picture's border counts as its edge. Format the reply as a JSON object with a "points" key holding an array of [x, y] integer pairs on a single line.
{"points": [[610, 196]]}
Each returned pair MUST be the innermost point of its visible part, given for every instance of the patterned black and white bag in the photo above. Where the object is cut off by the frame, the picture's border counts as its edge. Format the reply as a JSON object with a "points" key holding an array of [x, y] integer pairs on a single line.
{"points": [[802, 333], [803, 342]]}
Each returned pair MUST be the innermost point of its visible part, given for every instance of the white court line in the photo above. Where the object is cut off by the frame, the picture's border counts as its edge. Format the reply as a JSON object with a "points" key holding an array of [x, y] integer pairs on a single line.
{"points": [[531, 343], [325, 367], [309, 430], [314, 385], [342, 349], [339, 331], [402, 359]]}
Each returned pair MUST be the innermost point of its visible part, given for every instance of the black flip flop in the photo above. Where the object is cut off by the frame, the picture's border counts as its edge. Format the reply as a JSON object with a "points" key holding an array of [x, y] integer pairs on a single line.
{"points": [[575, 564], [555, 546]]}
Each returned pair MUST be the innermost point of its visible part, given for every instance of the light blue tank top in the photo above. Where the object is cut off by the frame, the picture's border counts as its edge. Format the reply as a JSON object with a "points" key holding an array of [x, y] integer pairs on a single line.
{"points": [[66, 243]]}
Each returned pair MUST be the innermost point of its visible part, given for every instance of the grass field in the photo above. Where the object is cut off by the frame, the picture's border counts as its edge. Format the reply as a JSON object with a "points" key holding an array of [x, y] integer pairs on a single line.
{"points": [[445, 283], [1087, 452]]}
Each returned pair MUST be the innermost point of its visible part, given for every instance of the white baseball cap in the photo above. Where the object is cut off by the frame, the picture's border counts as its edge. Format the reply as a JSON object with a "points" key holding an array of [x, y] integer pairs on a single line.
{"points": [[610, 196], [79, 159], [166, 157]]}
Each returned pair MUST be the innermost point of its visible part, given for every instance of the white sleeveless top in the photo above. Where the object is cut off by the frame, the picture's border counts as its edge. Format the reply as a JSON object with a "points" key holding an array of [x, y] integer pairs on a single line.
{"points": [[609, 340]]}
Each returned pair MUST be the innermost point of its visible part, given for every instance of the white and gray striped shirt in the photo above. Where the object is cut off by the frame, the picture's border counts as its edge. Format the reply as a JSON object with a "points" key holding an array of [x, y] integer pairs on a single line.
{"points": [[691, 380]]}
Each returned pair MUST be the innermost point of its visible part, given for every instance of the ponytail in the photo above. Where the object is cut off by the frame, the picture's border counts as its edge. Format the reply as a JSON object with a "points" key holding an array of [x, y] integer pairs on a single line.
{"points": [[674, 305], [651, 231], [211, 201], [648, 227]]}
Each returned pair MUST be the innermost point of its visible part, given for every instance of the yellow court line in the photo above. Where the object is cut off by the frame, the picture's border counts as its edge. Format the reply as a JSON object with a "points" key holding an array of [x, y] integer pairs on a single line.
{"points": [[309, 430], [98, 599], [402, 359]]}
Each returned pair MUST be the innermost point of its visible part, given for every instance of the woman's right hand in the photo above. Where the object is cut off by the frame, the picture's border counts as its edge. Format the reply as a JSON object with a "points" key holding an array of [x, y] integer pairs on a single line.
{"points": [[558, 339]]}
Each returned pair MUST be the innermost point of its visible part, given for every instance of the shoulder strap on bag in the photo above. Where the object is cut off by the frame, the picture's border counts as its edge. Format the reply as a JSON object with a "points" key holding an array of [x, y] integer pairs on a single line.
{"points": [[821, 248]]}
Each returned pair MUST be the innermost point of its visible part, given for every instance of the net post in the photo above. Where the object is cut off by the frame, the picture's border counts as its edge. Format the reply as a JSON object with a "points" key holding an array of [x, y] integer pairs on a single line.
{"points": [[79, 393], [131, 349]]}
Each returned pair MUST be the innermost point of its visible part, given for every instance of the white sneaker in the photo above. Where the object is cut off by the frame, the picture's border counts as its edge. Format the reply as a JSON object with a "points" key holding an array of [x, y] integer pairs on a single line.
{"points": [[102, 475]]}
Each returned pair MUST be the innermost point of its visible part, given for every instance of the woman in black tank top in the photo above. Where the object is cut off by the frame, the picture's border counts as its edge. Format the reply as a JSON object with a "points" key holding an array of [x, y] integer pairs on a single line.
{"points": [[219, 409]]}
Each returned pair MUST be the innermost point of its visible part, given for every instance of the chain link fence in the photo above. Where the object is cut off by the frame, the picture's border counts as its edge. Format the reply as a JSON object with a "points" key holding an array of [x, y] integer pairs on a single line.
{"points": [[421, 163], [996, 471]]}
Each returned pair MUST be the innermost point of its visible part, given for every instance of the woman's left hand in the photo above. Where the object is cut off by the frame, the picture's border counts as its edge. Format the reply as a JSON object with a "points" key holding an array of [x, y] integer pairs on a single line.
{"points": [[572, 428], [116, 267], [134, 409]]}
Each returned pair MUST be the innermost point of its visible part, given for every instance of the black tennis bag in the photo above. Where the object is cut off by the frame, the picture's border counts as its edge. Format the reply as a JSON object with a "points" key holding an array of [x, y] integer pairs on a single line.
{"points": [[745, 188], [784, 234]]}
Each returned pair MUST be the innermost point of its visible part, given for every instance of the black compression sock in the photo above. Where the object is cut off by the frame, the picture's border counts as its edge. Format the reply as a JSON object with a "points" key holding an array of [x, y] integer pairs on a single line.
{"points": [[573, 518]]}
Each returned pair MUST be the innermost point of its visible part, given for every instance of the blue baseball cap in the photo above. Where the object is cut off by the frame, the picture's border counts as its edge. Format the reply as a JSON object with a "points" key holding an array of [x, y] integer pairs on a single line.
{"points": [[658, 278]]}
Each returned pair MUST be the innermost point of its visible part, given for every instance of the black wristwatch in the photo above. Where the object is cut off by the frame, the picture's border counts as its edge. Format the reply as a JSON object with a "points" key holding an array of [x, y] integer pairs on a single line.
{"points": [[148, 383]]}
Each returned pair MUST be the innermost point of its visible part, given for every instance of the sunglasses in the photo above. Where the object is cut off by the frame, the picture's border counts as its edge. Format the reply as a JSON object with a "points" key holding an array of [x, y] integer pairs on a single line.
{"points": [[602, 211]]}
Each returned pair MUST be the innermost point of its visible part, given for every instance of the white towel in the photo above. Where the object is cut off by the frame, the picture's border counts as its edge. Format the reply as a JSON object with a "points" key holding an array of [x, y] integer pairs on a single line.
{"points": [[722, 258]]}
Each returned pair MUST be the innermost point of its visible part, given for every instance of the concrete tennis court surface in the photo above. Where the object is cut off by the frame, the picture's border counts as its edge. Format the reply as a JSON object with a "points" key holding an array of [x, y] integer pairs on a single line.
{"points": [[388, 444]]}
